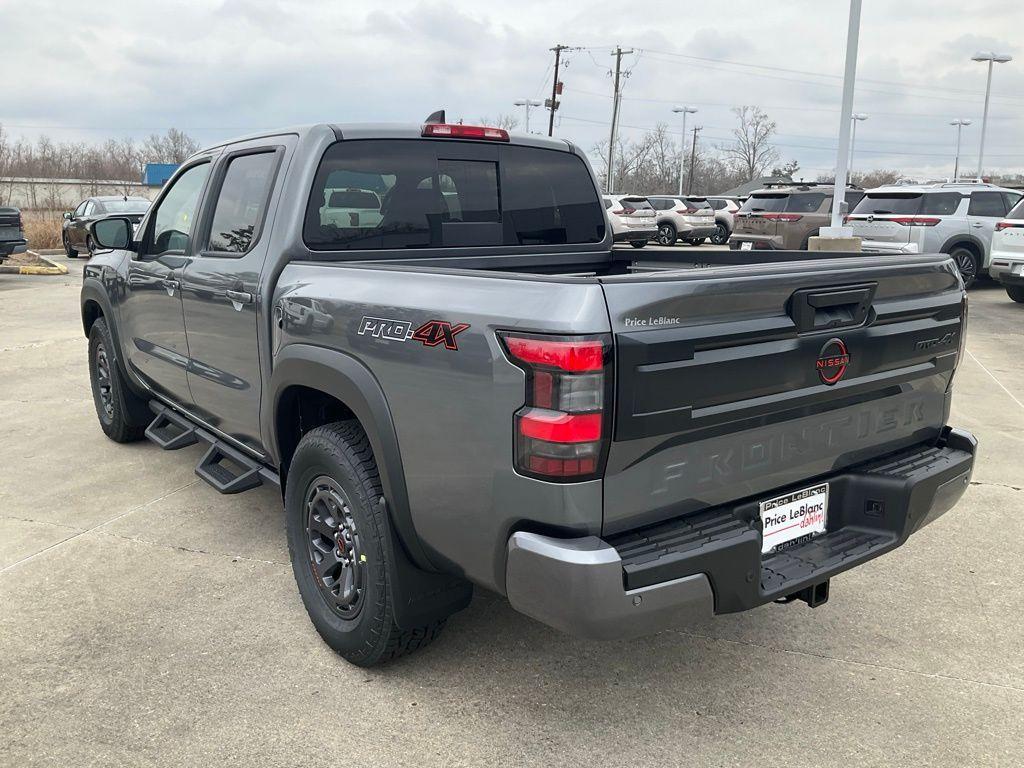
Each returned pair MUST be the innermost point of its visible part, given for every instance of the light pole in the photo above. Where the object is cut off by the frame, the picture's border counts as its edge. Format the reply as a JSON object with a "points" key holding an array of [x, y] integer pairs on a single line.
{"points": [[836, 228], [992, 58], [959, 123], [856, 117], [528, 103], [682, 144]]}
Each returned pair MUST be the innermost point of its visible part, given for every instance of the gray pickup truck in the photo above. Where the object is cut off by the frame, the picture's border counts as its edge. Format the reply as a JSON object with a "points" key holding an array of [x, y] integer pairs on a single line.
{"points": [[423, 335]]}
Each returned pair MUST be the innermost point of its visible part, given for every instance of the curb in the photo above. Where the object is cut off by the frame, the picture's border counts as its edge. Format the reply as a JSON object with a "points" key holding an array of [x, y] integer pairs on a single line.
{"points": [[53, 269]]}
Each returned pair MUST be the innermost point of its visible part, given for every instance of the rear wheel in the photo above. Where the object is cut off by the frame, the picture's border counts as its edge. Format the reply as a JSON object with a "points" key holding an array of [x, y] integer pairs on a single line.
{"points": [[70, 252], [1015, 292], [122, 413], [967, 263], [667, 234], [336, 539], [638, 243], [721, 236]]}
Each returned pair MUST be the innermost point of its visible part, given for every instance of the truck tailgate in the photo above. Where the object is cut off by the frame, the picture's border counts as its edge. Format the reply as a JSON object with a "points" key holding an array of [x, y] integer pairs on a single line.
{"points": [[719, 392]]}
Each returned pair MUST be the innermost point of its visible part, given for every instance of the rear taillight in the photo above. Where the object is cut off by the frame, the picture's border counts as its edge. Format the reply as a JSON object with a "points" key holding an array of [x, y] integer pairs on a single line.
{"points": [[446, 131], [782, 216], [1001, 225], [563, 429], [915, 221]]}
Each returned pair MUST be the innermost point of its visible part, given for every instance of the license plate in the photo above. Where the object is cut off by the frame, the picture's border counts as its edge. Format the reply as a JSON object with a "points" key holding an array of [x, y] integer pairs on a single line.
{"points": [[747, 246], [798, 516]]}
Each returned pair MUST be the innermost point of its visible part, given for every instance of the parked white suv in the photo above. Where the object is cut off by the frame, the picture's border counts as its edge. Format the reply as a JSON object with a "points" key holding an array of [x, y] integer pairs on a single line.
{"points": [[725, 211], [955, 218], [1008, 253], [690, 219], [632, 219]]}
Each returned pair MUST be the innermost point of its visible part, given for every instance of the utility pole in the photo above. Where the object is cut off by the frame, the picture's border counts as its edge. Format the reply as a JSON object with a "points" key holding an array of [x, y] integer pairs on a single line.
{"points": [[959, 123], [693, 160], [682, 143], [616, 98], [845, 126], [992, 58], [554, 88]]}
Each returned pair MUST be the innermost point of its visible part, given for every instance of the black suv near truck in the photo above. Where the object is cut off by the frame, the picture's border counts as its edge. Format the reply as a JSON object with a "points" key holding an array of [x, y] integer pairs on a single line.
{"points": [[456, 381]]}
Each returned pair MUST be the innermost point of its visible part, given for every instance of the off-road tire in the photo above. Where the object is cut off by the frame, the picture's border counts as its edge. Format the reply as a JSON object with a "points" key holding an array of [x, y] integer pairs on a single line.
{"points": [[70, 252], [1015, 292], [341, 452], [667, 234], [123, 415], [638, 243], [968, 264]]}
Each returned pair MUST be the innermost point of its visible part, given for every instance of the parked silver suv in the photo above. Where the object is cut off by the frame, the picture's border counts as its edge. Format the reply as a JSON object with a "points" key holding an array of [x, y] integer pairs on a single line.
{"points": [[955, 218]]}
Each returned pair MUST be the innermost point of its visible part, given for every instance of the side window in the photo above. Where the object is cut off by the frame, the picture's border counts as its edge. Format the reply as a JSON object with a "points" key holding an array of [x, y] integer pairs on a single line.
{"points": [[607, 203], [1012, 198], [940, 203], [90, 208], [987, 204], [241, 201], [80, 210], [175, 215]]}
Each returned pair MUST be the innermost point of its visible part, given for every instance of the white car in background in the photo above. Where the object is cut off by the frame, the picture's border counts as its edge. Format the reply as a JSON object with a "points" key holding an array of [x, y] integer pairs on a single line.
{"points": [[632, 219], [351, 208], [690, 219], [725, 210], [1008, 253]]}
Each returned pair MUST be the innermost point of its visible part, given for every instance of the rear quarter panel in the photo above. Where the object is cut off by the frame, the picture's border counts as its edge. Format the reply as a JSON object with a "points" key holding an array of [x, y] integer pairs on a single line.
{"points": [[452, 408]]}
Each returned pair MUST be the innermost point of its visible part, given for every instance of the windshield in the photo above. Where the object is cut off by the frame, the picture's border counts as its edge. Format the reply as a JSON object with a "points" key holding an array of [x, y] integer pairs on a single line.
{"points": [[126, 206], [377, 194], [889, 203], [765, 203]]}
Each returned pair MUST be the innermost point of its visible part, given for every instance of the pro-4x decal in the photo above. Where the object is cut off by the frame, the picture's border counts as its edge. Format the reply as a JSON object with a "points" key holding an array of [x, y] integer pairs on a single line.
{"points": [[432, 333]]}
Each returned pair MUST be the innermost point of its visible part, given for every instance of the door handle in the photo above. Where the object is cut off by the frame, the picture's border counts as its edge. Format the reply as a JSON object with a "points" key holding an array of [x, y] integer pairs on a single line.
{"points": [[239, 297], [977, 225]]}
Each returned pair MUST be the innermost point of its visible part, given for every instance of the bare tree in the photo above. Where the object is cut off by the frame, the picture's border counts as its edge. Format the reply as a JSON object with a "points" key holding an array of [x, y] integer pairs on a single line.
{"points": [[173, 147], [508, 122], [752, 153]]}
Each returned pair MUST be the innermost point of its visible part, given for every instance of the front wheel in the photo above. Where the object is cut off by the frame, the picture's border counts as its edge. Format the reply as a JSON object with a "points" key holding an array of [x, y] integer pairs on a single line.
{"points": [[638, 243], [336, 540], [967, 263], [667, 234], [1015, 292], [721, 236], [70, 252], [123, 415]]}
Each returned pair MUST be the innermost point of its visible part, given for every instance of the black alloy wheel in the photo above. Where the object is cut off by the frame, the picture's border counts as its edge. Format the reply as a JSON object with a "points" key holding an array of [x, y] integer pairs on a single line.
{"points": [[335, 553], [103, 382]]}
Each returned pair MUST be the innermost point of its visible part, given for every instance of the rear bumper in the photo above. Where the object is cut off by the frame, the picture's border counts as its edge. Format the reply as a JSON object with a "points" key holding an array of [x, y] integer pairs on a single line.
{"points": [[761, 242], [1007, 271], [633, 235], [8, 247], [695, 232], [691, 568], [882, 246]]}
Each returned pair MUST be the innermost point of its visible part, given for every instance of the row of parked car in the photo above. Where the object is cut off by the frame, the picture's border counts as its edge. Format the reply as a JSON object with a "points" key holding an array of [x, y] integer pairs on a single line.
{"points": [[980, 225]]}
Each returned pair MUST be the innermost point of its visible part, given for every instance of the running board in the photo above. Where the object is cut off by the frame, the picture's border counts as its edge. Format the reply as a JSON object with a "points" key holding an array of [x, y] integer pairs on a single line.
{"points": [[171, 431], [227, 469]]}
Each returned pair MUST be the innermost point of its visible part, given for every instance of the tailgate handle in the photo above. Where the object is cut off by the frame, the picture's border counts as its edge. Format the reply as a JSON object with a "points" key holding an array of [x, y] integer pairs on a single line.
{"points": [[817, 309]]}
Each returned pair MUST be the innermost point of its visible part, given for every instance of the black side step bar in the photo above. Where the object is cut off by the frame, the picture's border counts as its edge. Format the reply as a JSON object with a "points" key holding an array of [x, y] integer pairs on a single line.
{"points": [[225, 468], [170, 431]]}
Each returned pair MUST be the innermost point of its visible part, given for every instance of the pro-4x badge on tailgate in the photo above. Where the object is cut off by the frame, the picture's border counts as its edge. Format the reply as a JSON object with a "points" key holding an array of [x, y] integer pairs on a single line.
{"points": [[432, 333]]}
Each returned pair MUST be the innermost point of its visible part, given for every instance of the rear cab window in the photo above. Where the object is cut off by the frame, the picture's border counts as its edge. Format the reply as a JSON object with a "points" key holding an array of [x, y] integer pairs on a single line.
{"points": [[376, 194]]}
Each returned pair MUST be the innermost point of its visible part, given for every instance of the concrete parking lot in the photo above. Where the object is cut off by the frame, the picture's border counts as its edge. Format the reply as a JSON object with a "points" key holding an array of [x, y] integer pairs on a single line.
{"points": [[147, 620]]}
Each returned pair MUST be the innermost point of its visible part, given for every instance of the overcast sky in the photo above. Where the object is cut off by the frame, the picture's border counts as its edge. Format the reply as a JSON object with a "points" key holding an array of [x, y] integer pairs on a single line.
{"points": [[217, 68]]}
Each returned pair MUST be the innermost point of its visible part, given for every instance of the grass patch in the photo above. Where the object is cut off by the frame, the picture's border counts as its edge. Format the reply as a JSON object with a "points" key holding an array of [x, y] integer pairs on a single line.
{"points": [[42, 228]]}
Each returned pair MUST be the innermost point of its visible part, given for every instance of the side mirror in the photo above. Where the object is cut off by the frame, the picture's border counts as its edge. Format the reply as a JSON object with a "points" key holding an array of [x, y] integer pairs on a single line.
{"points": [[68, 215], [112, 233]]}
